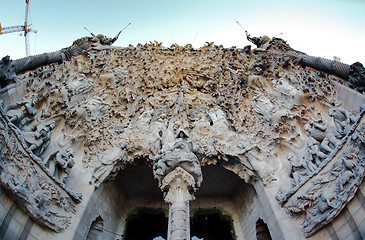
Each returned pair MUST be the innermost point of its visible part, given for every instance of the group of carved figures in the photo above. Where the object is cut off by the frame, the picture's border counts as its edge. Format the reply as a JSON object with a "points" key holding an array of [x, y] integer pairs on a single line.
{"points": [[38, 138], [322, 141]]}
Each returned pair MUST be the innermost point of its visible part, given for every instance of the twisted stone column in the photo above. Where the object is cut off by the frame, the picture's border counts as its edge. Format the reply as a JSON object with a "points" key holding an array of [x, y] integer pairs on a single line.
{"points": [[178, 183]]}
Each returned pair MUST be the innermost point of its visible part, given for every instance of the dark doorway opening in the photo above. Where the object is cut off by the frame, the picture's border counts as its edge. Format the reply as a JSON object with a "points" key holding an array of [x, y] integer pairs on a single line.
{"points": [[96, 229], [146, 224], [262, 231], [211, 224]]}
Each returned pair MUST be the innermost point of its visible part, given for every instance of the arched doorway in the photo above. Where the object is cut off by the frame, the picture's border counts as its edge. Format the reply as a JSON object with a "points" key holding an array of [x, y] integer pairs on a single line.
{"points": [[96, 229], [262, 231], [211, 224], [226, 203], [146, 224], [132, 203]]}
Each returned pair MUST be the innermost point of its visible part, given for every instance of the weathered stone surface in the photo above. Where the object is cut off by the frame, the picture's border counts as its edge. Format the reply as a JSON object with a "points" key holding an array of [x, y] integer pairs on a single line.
{"points": [[255, 112], [324, 191], [23, 174]]}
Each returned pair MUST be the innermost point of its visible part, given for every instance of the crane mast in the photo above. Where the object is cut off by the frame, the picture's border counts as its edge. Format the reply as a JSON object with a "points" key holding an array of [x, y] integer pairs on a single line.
{"points": [[21, 28]]}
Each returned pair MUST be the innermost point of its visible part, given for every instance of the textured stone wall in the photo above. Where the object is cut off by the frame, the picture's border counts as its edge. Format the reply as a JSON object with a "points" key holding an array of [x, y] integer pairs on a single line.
{"points": [[254, 112]]}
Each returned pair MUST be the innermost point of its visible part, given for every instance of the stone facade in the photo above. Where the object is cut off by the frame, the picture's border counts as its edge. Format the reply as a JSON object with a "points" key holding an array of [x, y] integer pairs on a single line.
{"points": [[256, 141]]}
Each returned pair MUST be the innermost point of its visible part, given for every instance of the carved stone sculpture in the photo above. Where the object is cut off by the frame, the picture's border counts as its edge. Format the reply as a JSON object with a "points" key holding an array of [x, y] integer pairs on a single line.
{"points": [[357, 77], [315, 151], [47, 200], [60, 163], [343, 120], [23, 112], [258, 41], [179, 174], [316, 130], [110, 161], [327, 189], [39, 139], [179, 156], [80, 85], [300, 168], [177, 109]]}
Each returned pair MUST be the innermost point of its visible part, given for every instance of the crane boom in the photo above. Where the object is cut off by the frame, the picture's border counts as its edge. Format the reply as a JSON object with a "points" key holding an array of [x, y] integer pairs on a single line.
{"points": [[21, 28], [12, 29]]}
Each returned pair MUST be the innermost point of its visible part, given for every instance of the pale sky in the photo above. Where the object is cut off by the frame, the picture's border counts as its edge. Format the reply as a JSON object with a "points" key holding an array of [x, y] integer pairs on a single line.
{"points": [[324, 28]]}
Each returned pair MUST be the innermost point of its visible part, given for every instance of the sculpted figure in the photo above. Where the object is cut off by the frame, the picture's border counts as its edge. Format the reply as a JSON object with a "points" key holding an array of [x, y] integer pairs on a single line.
{"points": [[343, 119], [329, 143], [179, 156], [107, 40], [264, 107], [95, 107], [357, 77], [317, 155], [258, 41], [299, 168], [60, 163], [345, 178], [108, 160], [327, 200], [250, 151], [7, 72], [316, 130], [21, 113], [39, 139], [81, 85]]}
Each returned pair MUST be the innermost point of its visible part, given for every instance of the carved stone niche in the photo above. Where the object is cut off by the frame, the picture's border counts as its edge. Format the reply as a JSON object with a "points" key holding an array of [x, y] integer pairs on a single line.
{"points": [[319, 198], [24, 176]]}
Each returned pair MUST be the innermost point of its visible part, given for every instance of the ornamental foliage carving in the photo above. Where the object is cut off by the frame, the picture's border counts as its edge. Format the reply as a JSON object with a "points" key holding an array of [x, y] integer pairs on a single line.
{"points": [[260, 113]]}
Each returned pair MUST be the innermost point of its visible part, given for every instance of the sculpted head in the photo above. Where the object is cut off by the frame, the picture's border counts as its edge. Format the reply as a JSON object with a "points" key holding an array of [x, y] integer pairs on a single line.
{"points": [[331, 112]]}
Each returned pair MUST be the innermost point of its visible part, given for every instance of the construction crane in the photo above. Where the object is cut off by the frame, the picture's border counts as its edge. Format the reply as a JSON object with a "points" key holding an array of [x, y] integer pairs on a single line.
{"points": [[21, 28]]}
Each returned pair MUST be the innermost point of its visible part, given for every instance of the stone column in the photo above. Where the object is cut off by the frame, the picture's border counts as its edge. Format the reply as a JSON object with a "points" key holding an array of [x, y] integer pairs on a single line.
{"points": [[178, 183]]}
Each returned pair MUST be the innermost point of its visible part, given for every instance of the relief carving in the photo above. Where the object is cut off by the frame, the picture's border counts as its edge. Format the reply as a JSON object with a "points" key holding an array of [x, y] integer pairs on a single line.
{"points": [[319, 194], [253, 112], [24, 176], [110, 162], [21, 113]]}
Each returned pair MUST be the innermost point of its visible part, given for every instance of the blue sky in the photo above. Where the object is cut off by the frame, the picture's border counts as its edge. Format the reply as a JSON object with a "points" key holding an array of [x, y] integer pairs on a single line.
{"points": [[323, 28]]}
